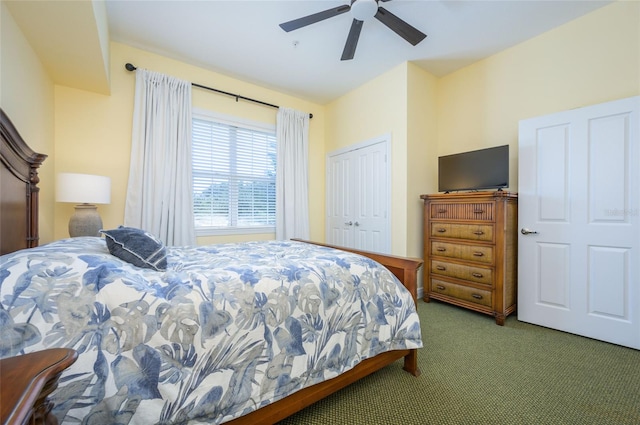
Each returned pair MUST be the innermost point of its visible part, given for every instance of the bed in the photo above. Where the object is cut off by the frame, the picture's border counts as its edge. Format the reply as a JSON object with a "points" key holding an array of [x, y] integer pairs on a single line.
{"points": [[234, 333]]}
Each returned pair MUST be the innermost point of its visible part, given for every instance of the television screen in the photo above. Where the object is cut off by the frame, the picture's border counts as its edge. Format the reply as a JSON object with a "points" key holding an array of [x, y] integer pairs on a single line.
{"points": [[480, 169]]}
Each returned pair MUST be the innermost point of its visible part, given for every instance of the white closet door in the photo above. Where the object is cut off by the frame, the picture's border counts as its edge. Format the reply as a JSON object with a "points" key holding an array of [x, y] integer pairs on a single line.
{"points": [[340, 214], [358, 197], [579, 207]]}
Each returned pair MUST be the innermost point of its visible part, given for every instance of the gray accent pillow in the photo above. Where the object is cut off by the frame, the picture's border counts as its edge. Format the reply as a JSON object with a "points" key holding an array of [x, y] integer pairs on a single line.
{"points": [[137, 247]]}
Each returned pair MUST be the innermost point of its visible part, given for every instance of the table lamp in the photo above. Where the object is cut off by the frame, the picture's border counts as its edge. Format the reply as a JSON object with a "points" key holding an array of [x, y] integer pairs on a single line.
{"points": [[84, 190]]}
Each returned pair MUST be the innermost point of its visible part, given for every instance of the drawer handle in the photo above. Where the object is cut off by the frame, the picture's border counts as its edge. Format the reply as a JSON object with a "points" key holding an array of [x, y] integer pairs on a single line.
{"points": [[441, 230], [442, 268], [478, 254], [441, 249], [477, 296], [478, 232], [478, 211], [440, 287], [476, 274], [442, 211]]}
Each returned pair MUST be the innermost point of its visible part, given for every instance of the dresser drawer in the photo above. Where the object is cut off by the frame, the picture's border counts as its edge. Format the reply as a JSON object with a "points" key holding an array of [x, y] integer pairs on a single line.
{"points": [[479, 253], [483, 211], [462, 271], [461, 292], [474, 232]]}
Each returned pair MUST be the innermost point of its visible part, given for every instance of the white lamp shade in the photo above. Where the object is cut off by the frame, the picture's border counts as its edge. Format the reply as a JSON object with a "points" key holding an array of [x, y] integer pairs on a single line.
{"points": [[83, 189]]}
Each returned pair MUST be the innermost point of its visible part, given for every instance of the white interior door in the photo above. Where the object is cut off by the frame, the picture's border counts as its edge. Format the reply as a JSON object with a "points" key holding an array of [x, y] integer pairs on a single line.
{"points": [[340, 213], [578, 252], [358, 197]]}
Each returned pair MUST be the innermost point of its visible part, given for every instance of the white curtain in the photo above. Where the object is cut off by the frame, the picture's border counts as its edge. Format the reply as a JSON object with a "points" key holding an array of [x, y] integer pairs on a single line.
{"points": [[159, 194], [292, 198]]}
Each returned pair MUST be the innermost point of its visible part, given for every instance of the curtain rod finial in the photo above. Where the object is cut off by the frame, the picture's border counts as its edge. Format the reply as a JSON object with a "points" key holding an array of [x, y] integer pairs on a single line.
{"points": [[130, 67]]}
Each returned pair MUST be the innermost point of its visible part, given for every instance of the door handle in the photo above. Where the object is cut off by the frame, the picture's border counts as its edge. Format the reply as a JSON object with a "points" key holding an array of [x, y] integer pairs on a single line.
{"points": [[349, 223], [526, 231], [356, 223]]}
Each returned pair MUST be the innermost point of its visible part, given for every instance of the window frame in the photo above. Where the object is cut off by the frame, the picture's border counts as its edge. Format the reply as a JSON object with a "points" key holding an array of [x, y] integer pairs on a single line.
{"points": [[204, 114]]}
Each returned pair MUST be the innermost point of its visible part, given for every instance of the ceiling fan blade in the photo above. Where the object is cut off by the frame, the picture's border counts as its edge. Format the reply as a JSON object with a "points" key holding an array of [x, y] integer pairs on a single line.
{"points": [[316, 17], [352, 40], [400, 27]]}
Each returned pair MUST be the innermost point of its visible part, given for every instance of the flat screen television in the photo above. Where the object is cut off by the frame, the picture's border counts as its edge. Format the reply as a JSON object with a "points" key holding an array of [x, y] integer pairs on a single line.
{"points": [[474, 170]]}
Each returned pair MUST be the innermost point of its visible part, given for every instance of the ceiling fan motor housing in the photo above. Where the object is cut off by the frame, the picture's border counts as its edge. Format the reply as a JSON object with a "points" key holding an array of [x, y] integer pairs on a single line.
{"points": [[364, 9]]}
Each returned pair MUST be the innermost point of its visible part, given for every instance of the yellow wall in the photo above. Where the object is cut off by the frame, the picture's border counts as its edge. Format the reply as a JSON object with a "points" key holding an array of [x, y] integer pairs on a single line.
{"points": [[590, 60], [401, 102], [593, 59], [422, 171], [26, 96], [376, 108], [93, 132]]}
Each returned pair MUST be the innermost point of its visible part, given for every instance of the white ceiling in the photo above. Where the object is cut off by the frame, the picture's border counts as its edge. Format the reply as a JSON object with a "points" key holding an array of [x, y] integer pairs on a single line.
{"points": [[242, 38]]}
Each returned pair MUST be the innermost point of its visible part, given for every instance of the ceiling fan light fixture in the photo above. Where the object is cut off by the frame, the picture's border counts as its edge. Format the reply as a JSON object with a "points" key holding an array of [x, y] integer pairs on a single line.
{"points": [[364, 9]]}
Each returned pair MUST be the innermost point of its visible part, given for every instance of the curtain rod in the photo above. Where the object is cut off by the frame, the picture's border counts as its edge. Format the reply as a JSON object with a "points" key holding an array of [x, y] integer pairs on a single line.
{"points": [[131, 67]]}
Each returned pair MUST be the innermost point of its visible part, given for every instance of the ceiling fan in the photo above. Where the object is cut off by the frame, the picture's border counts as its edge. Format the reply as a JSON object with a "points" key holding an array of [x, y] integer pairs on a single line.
{"points": [[361, 10]]}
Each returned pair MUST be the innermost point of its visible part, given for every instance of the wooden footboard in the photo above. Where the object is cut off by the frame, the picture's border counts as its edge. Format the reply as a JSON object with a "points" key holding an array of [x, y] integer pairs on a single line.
{"points": [[406, 270]]}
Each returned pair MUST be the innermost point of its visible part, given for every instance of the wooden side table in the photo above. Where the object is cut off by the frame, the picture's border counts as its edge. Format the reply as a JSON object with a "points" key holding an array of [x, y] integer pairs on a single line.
{"points": [[25, 383]]}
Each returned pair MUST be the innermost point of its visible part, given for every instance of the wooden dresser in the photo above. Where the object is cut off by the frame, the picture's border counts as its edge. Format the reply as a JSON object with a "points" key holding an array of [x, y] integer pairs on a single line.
{"points": [[470, 251]]}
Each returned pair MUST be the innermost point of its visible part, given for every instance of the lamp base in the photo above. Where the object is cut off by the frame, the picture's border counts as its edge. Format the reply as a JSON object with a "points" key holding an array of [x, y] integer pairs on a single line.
{"points": [[85, 222]]}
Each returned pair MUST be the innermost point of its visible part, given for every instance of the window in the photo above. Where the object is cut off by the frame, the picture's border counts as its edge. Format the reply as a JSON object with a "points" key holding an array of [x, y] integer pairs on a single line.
{"points": [[234, 176]]}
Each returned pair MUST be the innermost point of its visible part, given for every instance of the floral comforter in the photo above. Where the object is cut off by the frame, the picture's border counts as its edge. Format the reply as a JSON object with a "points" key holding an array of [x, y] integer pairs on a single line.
{"points": [[225, 330]]}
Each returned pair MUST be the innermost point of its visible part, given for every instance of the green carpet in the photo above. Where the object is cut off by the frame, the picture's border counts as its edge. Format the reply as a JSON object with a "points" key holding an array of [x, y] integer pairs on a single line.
{"points": [[475, 372]]}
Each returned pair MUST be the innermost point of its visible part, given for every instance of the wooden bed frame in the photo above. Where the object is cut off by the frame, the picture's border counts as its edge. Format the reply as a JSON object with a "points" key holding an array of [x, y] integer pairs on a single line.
{"points": [[19, 229]]}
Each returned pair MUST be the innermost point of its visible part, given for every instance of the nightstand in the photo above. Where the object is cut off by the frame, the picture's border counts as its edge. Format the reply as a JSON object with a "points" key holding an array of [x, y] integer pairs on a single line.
{"points": [[25, 383]]}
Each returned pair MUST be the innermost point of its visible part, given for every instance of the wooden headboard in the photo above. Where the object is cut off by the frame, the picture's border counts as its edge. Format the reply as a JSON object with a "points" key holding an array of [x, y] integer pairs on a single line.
{"points": [[18, 190]]}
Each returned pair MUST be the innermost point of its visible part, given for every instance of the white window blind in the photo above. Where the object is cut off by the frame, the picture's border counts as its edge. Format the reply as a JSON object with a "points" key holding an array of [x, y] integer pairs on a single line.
{"points": [[234, 177]]}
